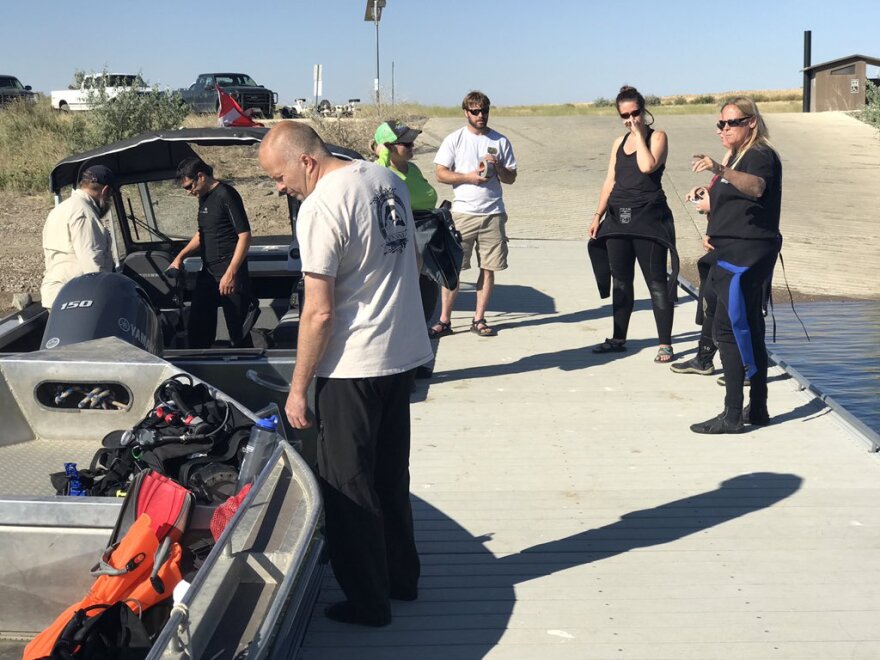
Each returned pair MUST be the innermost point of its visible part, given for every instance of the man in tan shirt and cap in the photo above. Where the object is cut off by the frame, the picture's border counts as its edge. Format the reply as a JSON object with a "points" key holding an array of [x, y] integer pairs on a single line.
{"points": [[75, 240]]}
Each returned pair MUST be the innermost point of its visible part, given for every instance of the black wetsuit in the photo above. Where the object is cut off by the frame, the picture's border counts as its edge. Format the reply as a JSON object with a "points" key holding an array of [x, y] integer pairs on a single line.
{"points": [[744, 231], [221, 219], [638, 226]]}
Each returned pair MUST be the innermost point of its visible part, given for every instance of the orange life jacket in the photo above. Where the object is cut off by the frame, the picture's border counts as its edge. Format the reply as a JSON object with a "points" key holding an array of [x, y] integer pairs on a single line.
{"points": [[134, 569]]}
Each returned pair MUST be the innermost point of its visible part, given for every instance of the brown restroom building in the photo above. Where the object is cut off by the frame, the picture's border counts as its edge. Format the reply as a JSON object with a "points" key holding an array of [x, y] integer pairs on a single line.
{"points": [[840, 84]]}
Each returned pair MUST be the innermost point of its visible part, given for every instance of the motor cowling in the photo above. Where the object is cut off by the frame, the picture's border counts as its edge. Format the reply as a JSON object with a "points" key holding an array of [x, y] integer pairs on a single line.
{"points": [[97, 305]]}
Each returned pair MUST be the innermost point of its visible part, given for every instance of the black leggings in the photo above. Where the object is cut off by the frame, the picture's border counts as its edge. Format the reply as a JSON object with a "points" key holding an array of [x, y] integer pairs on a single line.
{"points": [[622, 255]]}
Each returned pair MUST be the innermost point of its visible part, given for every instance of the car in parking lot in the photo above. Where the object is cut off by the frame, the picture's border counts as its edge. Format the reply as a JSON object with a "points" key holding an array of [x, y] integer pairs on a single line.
{"points": [[202, 94], [94, 88], [11, 89]]}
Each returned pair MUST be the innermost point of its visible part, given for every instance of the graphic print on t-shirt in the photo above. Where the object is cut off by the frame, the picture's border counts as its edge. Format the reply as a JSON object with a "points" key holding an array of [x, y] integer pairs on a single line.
{"points": [[390, 212]]}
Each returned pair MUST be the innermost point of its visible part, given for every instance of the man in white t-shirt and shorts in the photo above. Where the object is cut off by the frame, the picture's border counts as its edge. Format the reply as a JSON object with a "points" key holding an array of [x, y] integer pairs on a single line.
{"points": [[476, 160], [362, 334]]}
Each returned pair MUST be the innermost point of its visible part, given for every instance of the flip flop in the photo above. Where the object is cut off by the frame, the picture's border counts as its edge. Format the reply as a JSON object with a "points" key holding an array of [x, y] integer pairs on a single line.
{"points": [[664, 355]]}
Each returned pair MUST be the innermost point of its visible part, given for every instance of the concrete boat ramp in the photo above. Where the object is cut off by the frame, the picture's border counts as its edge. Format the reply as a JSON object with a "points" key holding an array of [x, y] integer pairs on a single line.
{"points": [[564, 509]]}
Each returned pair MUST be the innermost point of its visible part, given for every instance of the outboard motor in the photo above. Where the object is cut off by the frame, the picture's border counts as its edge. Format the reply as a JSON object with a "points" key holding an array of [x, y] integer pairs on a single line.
{"points": [[99, 305]]}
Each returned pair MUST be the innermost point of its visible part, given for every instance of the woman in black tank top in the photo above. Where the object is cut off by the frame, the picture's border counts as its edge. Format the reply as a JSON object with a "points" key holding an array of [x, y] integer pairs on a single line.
{"points": [[637, 224]]}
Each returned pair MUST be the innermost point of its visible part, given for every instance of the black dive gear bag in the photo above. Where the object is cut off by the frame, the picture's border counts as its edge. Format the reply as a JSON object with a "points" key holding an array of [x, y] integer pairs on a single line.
{"points": [[439, 243], [189, 436]]}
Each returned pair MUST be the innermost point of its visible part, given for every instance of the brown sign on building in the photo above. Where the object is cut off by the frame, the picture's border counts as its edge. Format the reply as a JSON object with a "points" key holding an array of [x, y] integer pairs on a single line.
{"points": [[840, 84]]}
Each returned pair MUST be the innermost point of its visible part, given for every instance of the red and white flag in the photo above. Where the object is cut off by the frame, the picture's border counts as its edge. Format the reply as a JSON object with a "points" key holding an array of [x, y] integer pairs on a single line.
{"points": [[230, 112]]}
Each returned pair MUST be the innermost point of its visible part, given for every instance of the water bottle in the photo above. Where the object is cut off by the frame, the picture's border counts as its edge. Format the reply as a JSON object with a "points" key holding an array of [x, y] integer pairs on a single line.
{"points": [[258, 449]]}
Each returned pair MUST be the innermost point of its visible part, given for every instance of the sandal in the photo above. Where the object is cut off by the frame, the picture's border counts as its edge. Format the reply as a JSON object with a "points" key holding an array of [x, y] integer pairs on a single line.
{"points": [[440, 329], [481, 328], [664, 355], [610, 346]]}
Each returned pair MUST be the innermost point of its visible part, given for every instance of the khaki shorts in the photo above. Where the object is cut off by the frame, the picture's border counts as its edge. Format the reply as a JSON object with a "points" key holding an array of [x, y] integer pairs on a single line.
{"points": [[486, 234]]}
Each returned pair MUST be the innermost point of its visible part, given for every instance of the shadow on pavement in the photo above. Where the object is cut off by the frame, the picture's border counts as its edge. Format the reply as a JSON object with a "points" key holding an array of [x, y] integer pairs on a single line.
{"points": [[572, 359], [467, 595]]}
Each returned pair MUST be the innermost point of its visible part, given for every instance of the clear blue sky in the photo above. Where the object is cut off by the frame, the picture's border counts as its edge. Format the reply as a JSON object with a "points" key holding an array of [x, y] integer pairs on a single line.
{"points": [[517, 51]]}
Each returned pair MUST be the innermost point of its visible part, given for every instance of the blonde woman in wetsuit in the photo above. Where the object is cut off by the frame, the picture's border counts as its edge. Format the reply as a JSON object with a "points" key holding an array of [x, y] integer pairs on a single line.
{"points": [[744, 206]]}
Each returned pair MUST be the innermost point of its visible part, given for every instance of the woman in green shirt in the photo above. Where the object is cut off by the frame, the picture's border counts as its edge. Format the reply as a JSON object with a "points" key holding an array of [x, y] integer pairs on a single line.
{"points": [[394, 147]]}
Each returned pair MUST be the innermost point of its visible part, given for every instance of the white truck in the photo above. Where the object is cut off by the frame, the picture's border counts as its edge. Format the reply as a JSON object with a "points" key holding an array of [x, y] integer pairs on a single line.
{"points": [[86, 94]]}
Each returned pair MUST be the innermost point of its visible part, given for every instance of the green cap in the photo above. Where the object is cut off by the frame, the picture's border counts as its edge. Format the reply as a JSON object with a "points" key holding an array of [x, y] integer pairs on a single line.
{"points": [[393, 132]]}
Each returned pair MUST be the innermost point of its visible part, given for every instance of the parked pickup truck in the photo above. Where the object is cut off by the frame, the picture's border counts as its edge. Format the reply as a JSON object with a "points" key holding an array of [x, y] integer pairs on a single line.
{"points": [[83, 97], [11, 89], [202, 94]]}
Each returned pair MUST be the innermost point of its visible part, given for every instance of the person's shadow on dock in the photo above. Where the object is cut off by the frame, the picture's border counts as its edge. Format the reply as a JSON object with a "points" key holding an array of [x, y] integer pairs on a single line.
{"points": [[467, 595], [517, 307]]}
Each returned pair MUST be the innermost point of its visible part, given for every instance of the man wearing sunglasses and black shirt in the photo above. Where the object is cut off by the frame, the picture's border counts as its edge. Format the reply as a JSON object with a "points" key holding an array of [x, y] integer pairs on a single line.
{"points": [[222, 241], [476, 160]]}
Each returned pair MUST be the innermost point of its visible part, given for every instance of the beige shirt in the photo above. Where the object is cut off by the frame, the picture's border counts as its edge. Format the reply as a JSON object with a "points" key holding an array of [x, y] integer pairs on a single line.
{"points": [[75, 242]]}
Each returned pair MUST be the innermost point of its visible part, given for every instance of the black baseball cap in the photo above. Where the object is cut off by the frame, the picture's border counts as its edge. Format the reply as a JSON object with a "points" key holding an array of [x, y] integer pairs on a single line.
{"points": [[99, 174]]}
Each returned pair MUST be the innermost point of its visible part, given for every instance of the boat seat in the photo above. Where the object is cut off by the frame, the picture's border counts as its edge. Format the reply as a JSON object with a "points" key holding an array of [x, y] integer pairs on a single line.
{"points": [[284, 334], [147, 268]]}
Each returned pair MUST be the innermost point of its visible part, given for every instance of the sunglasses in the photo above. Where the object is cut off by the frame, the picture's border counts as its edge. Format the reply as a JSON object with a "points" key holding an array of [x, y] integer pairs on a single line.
{"points": [[189, 186], [478, 111], [627, 115], [733, 123], [408, 145]]}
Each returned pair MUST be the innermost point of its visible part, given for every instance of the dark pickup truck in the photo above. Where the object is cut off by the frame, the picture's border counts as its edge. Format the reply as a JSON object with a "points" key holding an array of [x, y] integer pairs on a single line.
{"points": [[11, 89], [202, 94]]}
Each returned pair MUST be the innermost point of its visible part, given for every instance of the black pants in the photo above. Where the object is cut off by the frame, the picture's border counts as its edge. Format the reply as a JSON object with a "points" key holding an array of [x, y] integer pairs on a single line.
{"points": [[760, 256], [622, 255], [430, 292], [202, 328], [363, 466], [708, 304]]}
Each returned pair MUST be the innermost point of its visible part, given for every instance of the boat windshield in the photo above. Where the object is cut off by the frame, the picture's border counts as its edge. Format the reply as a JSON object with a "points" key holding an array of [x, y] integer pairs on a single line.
{"points": [[157, 211]]}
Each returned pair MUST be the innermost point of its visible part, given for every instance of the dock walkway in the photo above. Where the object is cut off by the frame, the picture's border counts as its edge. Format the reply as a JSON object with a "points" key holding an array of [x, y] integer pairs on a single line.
{"points": [[564, 509]]}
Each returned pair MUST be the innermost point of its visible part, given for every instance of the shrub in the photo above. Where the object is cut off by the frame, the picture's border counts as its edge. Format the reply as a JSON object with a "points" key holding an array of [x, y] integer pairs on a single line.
{"points": [[703, 99], [132, 112], [602, 102], [871, 113], [679, 100], [653, 99]]}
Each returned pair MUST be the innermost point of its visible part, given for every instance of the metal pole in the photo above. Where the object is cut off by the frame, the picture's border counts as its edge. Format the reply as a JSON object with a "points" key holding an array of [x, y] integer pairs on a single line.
{"points": [[376, 20], [808, 38]]}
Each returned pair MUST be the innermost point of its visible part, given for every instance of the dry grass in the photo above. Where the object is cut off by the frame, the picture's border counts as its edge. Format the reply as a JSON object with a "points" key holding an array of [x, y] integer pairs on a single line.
{"points": [[758, 95], [33, 137], [770, 101]]}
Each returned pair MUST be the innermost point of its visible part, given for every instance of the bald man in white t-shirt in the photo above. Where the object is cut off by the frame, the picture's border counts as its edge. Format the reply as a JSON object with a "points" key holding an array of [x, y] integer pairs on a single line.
{"points": [[362, 334]]}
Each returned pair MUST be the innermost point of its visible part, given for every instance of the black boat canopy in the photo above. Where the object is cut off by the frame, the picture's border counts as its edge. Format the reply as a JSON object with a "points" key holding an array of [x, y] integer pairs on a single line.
{"points": [[155, 155]]}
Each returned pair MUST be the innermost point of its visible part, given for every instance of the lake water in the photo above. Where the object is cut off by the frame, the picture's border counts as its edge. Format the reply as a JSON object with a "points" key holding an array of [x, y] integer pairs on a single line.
{"points": [[843, 358]]}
